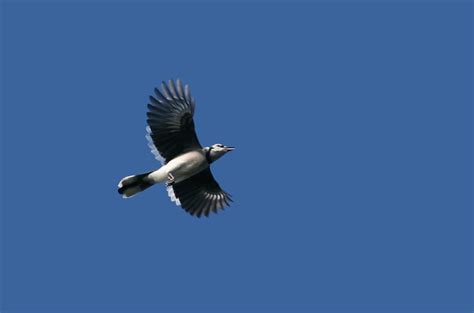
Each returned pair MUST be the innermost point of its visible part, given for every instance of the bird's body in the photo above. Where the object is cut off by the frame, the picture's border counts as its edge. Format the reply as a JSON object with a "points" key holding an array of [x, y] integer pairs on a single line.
{"points": [[185, 163], [181, 167]]}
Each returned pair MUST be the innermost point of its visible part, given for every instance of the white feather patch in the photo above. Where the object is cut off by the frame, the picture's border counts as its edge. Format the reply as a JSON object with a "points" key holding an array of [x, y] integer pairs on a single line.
{"points": [[172, 195], [151, 145]]}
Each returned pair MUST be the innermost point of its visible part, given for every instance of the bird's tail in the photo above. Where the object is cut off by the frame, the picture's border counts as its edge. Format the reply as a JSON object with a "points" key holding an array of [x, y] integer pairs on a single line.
{"points": [[131, 185]]}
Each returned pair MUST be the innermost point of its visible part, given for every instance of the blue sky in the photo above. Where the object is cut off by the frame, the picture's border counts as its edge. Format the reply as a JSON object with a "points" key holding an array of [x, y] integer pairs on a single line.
{"points": [[352, 177]]}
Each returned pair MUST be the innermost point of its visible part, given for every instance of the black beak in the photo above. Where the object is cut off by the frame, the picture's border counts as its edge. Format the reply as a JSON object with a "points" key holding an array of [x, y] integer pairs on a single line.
{"points": [[229, 148]]}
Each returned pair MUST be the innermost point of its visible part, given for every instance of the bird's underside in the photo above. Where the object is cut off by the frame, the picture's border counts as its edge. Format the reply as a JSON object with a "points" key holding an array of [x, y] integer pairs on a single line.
{"points": [[172, 138]]}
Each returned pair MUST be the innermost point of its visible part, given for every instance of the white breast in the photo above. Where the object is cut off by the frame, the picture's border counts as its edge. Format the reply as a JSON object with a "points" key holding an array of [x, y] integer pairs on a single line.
{"points": [[186, 165]]}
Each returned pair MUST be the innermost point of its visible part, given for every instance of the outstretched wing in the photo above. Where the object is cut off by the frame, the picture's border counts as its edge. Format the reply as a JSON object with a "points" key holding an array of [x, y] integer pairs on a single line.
{"points": [[200, 194], [170, 121]]}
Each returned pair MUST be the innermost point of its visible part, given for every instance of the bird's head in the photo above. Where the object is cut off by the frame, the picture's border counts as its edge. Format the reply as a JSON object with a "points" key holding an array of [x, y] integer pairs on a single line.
{"points": [[217, 150]]}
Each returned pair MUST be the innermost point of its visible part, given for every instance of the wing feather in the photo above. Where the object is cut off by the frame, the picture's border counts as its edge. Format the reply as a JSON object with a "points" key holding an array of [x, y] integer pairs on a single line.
{"points": [[201, 194], [170, 121]]}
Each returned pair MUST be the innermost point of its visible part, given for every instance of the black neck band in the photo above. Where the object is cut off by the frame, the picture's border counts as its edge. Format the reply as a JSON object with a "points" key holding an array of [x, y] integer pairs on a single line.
{"points": [[208, 155]]}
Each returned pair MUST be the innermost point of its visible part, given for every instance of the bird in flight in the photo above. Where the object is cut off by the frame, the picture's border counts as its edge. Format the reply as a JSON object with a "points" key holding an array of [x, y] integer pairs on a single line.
{"points": [[185, 163]]}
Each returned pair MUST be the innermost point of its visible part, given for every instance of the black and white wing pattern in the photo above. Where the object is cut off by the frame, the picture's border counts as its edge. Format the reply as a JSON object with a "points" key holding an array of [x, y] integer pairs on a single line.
{"points": [[200, 194], [170, 121]]}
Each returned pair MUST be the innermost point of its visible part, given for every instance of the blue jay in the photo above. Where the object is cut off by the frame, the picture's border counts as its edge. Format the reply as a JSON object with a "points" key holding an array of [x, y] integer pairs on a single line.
{"points": [[185, 163]]}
